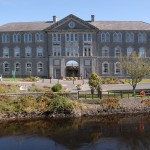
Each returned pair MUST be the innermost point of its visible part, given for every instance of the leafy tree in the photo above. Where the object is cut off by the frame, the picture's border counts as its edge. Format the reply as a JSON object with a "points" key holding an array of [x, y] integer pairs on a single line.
{"points": [[136, 68], [95, 83]]}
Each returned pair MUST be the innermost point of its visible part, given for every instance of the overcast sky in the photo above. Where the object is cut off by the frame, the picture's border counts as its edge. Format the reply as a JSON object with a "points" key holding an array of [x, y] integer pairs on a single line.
{"points": [[43, 10]]}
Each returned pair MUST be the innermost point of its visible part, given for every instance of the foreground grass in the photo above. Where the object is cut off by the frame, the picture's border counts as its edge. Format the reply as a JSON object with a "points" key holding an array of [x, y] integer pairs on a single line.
{"points": [[143, 81]]}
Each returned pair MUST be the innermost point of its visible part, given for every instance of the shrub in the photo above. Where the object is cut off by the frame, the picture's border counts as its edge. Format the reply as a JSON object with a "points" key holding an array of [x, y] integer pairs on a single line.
{"points": [[56, 87], [111, 102]]}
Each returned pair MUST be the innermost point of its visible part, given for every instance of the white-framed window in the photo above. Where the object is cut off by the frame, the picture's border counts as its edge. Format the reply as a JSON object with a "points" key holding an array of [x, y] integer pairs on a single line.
{"points": [[5, 52], [117, 37], [142, 37], [5, 38], [39, 51], [129, 51], [142, 52], [87, 37], [39, 67], [105, 37], [6, 67], [56, 51], [28, 51], [130, 37], [105, 51], [16, 38], [117, 51], [72, 51], [105, 68], [17, 52], [39, 37], [71, 37], [56, 37], [17, 67], [27, 37], [87, 51], [117, 68], [29, 67]]}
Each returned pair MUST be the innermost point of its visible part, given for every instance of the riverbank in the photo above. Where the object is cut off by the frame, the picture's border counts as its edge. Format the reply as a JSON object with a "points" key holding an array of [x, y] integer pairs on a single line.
{"points": [[124, 106]]}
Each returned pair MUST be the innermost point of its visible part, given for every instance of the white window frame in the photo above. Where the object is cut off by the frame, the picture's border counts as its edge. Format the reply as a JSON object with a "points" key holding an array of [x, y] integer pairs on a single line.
{"points": [[5, 38], [71, 37], [29, 68], [56, 51], [39, 51], [6, 68], [103, 67], [16, 52], [17, 68], [105, 37], [16, 38], [87, 37], [117, 54], [116, 72], [40, 69], [28, 51], [129, 51], [104, 49], [87, 51], [129, 37], [142, 52], [39, 37], [142, 37], [56, 37], [117, 37], [6, 52], [28, 38]]}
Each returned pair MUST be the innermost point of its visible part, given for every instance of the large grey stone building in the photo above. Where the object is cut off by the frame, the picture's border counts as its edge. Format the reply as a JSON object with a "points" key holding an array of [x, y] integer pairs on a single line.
{"points": [[49, 49]]}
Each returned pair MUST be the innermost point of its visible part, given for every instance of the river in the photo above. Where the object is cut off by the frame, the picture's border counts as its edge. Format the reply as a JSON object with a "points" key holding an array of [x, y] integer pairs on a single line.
{"points": [[126, 132]]}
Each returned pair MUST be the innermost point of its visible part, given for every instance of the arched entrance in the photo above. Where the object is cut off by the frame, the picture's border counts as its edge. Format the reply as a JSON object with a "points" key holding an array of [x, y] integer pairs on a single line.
{"points": [[72, 68]]}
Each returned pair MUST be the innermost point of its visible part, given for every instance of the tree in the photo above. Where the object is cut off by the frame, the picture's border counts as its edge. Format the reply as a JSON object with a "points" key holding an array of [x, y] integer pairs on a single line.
{"points": [[95, 83], [136, 68]]}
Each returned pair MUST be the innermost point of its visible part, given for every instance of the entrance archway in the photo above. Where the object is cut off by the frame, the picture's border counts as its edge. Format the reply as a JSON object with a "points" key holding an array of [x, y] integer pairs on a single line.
{"points": [[72, 68]]}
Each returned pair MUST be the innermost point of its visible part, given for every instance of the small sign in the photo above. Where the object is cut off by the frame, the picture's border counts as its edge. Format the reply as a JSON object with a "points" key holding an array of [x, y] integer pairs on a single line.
{"points": [[23, 88]]}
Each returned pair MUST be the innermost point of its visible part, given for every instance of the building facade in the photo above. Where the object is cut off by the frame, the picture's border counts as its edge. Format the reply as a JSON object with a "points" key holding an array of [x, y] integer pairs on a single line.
{"points": [[70, 47]]}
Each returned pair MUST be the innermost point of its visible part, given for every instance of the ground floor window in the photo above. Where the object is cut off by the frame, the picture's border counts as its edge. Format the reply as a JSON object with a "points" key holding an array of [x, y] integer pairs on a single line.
{"points": [[6, 67], [40, 67], [17, 67], [28, 67], [105, 68]]}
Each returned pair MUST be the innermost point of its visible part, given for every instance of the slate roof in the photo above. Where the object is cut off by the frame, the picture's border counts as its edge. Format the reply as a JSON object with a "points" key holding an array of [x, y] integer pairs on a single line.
{"points": [[121, 25], [25, 26]]}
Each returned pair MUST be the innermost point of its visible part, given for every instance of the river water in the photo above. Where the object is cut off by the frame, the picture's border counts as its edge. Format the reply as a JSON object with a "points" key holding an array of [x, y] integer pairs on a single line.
{"points": [[90, 133]]}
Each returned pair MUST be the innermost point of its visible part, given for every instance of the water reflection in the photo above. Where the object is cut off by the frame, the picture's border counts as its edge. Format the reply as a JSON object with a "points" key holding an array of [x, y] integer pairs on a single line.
{"points": [[104, 133]]}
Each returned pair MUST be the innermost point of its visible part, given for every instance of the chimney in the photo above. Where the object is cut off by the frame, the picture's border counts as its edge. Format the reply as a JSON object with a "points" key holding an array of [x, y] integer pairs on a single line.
{"points": [[54, 19], [92, 18]]}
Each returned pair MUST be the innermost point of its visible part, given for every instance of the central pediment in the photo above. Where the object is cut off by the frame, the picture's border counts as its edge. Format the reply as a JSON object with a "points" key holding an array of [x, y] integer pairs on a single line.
{"points": [[71, 22]]}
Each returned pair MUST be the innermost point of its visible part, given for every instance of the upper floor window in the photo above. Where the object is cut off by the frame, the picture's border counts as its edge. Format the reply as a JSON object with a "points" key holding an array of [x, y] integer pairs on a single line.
{"points": [[28, 51], [87, 51], [17, 67], [129, 51], [117, 37], [142, 52], [17, 52], [117, 51], [105, 68], [5, 52], [6, 67], [27, 37], [105, 51], [142, 38], [39, 67], [56, 37], [29, 67], [56, 51], [105, 37], [39, 51], [16, 38], [71, 37], [39, 37], [117, 68], [72, 51], [5, 38], [87, 37], [129, 37]]}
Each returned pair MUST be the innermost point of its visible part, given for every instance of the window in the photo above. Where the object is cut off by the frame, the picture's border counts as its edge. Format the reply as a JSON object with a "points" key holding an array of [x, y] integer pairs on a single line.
{"points": [[56, 38], [39, 51], [87, 51], [105, 37], [142, 52], [87, 37], [39, 37], [105, 51], [71, 37], [105, 68], [72, 51], [142, 38], [29, 67], [17, 52], [39, 67], [117, 37], [6, 67], [5, 52], [28, 51], [27, 37], [5, 38], [129, 51], [17, 67], [16, 38], [129, 37], [117, 68], [56, 51], [117, 51]]}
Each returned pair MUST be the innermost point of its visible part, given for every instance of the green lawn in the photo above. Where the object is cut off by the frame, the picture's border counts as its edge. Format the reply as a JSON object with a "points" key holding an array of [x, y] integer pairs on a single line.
{"points": [[143, 81]]}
